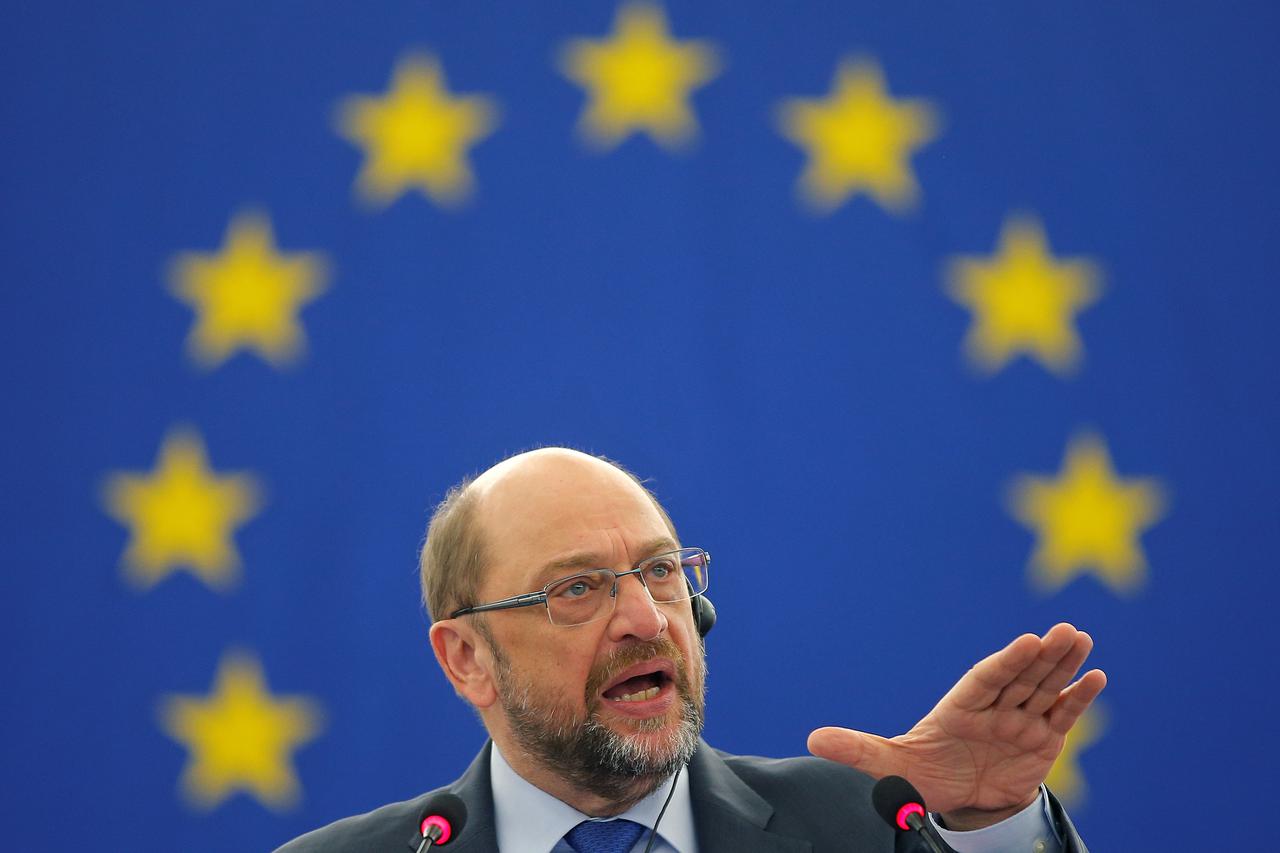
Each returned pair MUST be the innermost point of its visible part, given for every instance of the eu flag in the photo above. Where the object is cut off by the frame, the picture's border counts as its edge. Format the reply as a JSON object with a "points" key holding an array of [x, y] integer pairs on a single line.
{"points": [[936, 323]]}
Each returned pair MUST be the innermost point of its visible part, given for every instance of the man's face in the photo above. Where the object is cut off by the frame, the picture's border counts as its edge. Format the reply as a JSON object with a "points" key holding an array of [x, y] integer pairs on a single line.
{"points": [[582, 748], [611, 702]]}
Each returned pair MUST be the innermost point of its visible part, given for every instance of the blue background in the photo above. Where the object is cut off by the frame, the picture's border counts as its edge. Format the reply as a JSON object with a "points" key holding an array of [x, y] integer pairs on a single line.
{"points": [[793, 384]]}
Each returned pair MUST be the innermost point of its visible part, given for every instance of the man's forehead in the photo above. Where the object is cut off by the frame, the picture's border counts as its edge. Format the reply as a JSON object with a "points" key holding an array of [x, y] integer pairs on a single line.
{"points": [[546, 504]]}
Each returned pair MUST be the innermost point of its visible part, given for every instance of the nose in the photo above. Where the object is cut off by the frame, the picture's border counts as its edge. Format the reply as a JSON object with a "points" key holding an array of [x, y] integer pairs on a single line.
{"points": [[635, 615]]}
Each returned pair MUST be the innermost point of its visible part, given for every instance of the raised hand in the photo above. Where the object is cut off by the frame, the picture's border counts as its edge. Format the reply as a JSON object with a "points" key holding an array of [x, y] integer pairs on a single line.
{"points": [[980, 755]]}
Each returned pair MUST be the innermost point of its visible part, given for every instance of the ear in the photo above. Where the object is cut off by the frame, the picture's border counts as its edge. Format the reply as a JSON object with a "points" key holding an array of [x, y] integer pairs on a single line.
{"points": [[466, 660]]}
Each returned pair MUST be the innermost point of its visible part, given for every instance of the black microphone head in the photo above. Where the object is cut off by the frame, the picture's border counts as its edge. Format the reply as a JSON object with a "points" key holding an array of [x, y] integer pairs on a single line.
{"points": [[894, 798], [447, 813]]}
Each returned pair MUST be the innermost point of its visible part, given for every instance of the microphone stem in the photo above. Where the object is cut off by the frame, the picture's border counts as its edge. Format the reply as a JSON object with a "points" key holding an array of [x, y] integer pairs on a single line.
{"points": [[921, 826]]}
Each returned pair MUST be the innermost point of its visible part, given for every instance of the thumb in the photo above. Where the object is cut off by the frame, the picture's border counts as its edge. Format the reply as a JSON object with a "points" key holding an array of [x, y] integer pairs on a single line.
{"points": [[871, 754]]}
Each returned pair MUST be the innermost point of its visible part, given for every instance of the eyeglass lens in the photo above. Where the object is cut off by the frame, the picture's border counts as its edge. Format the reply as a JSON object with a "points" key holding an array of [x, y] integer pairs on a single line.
{"points": [[588, 596]]}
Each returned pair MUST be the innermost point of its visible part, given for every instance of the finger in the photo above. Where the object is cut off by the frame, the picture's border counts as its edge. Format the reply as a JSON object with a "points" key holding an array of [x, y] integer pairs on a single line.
{"points": [[871, 754], [1056, 645], [1075, 700], [1046, 694], [981, 686]]}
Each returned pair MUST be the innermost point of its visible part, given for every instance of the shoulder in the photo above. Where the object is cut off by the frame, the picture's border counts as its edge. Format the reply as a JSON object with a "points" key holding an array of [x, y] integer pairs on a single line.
{"points": [[385, 828], [819, 801], [814, 775], [389, 828]]}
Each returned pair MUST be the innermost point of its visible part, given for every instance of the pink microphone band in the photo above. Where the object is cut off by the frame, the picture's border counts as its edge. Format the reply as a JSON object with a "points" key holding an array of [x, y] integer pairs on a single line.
{"points": [[437, 821], [908, 809]]}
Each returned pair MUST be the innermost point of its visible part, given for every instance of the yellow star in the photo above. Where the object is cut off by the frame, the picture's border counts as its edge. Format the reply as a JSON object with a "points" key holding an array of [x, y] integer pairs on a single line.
{"points": [[416, 136], [1088, 519], [181, 516], [1066, 779], [248, 295], [858, 139], [240, 738], [1023, 300], [640, 79]]}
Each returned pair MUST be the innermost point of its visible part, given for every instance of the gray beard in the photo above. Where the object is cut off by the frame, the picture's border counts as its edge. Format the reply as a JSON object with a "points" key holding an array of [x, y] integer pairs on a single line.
{"points": [[588, 754]]}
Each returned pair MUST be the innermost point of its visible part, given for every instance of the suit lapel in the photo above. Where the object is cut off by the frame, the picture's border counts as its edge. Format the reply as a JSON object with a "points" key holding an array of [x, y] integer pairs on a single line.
{"points": [[727, 814]]}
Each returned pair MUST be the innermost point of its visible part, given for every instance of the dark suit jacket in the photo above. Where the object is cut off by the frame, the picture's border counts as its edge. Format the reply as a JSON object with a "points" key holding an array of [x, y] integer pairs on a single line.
{"points": [[741, 804]]}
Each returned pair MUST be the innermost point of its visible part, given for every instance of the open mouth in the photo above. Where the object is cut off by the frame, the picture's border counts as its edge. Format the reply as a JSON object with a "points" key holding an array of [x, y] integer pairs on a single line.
{"points": [[640, 683]]}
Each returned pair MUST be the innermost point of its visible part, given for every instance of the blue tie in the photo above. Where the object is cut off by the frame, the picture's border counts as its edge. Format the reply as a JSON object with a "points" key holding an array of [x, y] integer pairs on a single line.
{"points": [[608, 836]]}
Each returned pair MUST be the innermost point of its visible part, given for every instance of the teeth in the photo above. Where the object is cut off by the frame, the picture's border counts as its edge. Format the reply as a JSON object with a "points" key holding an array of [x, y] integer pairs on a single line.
{"points": [[639, 696]]}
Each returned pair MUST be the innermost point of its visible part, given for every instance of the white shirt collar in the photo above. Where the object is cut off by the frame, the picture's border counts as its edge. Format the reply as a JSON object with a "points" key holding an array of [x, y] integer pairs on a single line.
{"points": [[529, 820]]}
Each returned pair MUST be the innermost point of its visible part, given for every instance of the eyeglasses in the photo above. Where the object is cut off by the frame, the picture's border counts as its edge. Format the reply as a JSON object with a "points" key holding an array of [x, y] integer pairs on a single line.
{"points": [[591, 595]]}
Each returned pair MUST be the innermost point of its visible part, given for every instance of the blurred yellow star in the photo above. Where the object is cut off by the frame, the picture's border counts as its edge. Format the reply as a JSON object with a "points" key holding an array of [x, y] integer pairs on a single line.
{"points": [[639, 79], [1023, 300], [239, 737], [1066, 779], [248, 295], [417, 135], [1088, 519], [181, 515], [859, 139]]}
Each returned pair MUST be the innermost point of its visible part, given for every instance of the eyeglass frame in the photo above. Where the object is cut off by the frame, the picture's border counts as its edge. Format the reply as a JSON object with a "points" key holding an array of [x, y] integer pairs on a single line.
{"points": [[529, 599]]}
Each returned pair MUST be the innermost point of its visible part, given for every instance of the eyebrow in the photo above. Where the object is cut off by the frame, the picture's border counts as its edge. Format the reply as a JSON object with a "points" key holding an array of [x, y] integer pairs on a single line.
{"points": [[591, 560]]}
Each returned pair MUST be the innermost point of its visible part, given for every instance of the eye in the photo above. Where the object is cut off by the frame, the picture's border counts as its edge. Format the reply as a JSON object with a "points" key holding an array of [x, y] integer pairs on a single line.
{"points": [[661, 571], [576, 588]]}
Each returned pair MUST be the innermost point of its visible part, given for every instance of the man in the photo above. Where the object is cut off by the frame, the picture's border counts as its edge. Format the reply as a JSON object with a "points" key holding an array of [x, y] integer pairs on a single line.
{"points": [[561, 599]]}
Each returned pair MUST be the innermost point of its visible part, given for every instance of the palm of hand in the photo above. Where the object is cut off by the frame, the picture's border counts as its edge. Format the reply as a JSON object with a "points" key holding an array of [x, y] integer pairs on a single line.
{"points": [[981, 754], [989, 759]]}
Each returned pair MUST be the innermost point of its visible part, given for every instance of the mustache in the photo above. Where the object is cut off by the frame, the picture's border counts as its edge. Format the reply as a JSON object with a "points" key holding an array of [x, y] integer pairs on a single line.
{"points": [[638, 652]]}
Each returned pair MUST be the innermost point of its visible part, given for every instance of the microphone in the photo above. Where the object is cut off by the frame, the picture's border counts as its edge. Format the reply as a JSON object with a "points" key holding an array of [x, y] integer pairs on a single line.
{"points": [[442, 818], [900, 805]]}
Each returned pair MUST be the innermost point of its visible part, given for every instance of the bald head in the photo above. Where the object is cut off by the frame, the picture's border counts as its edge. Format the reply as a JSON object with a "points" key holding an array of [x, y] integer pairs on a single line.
{"points": [[538, 472], [532, 502]]}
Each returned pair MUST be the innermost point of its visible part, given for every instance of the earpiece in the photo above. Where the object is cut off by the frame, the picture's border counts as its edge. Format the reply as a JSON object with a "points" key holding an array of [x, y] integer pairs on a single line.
{"points": [[704, 614]]}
